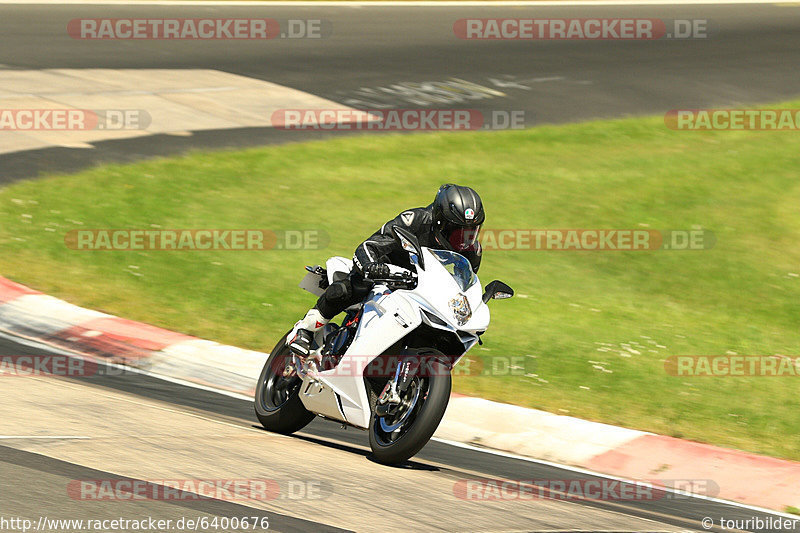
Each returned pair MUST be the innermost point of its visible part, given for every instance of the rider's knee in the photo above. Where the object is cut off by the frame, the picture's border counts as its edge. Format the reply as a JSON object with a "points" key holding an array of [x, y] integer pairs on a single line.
{"points": [[338, 291]]}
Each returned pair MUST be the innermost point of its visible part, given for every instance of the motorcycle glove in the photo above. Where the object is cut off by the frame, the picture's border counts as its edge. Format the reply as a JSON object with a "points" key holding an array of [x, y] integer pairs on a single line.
{"points": [[376, 270]]}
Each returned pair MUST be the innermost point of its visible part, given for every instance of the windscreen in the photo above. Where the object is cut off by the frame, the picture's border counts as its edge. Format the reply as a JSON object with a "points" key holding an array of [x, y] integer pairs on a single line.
{"points": [[458, 266]]}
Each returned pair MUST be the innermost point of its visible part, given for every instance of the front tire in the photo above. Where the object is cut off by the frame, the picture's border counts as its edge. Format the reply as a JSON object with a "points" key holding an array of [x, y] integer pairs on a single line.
{"points": [[397, 437], [277, 400]]}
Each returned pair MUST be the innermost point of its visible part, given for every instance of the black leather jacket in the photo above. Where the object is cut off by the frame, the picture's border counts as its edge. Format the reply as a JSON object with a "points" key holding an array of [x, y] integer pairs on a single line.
{"points": [[382, 247]]}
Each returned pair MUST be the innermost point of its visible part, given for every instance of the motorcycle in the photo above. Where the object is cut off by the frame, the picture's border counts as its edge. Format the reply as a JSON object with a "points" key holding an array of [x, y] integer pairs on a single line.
{"points": [[387, 368]]}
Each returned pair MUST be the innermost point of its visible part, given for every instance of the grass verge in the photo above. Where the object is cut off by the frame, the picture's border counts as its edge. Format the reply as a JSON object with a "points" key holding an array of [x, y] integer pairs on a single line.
{"points": [[597, 324]]}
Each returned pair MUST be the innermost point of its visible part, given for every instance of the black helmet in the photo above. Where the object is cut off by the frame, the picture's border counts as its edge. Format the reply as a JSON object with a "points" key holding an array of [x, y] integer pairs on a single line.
{"points": [[457, 217]]}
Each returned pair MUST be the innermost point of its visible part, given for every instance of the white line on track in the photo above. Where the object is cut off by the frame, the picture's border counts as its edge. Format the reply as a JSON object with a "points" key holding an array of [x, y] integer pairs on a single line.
{"points": [[179, 381], [383, 3], [45, 346], [41, 345]]}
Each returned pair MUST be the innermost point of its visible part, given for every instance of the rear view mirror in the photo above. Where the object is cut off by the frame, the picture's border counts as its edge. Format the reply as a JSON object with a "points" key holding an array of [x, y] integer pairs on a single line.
{"points": [[409, 243], [497, 290]]}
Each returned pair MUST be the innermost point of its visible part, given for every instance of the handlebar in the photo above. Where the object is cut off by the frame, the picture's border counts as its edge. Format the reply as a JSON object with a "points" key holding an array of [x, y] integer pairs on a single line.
{"points": [[398, 280]]}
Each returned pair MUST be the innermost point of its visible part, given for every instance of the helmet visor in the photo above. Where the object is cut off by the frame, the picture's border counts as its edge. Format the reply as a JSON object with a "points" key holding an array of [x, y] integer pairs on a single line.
{"points": [[463, 239]]}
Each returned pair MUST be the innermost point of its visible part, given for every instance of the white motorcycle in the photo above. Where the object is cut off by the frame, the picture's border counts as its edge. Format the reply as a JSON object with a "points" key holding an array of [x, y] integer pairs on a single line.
{"points": [[387, 368]]}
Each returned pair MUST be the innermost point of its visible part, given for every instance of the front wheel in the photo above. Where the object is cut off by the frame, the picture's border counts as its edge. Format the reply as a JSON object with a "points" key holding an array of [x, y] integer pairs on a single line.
{"points": [[277, 402], [403, 432]]}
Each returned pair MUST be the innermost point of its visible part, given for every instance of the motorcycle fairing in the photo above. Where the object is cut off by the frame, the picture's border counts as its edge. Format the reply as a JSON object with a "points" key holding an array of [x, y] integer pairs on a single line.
{"points": [[387, 318]]}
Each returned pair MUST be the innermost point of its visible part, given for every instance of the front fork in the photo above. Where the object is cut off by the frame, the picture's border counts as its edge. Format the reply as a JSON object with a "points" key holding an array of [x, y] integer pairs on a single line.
{"points": [[394, 390]]}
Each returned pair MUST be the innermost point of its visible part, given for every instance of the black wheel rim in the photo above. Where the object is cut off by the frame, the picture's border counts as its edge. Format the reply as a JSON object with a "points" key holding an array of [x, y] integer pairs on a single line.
{"points": [[390, 428], [277, 389]]}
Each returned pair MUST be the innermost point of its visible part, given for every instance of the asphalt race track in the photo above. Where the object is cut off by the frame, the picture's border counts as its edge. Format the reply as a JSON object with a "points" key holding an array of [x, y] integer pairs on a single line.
{"points": [[130, 426], [143, 428], [748, 57]]}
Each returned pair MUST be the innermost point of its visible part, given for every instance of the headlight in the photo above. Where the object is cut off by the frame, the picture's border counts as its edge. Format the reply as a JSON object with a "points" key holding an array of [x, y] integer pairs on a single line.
{"points": [[460, 308]]}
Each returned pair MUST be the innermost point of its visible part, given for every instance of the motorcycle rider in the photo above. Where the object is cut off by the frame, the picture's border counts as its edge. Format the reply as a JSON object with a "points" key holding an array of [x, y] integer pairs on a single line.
{"points": [[451, 222]]}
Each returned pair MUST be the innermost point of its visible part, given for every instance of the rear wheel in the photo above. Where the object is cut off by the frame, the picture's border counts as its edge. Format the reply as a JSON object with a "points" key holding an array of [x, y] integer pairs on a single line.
{"points": [[407, 427], [277, 401]]}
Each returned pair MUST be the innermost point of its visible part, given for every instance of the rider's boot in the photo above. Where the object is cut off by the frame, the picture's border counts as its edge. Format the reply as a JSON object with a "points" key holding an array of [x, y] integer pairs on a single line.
{"points": [[301, 337]]}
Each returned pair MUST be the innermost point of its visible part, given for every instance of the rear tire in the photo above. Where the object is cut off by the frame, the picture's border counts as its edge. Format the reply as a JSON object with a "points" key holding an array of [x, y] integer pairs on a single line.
{"points": [[424, 417], [277, 400]]}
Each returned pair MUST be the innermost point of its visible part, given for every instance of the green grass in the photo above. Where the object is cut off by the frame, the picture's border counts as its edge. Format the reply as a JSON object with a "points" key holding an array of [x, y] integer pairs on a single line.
{"points": [[575, 310]]}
